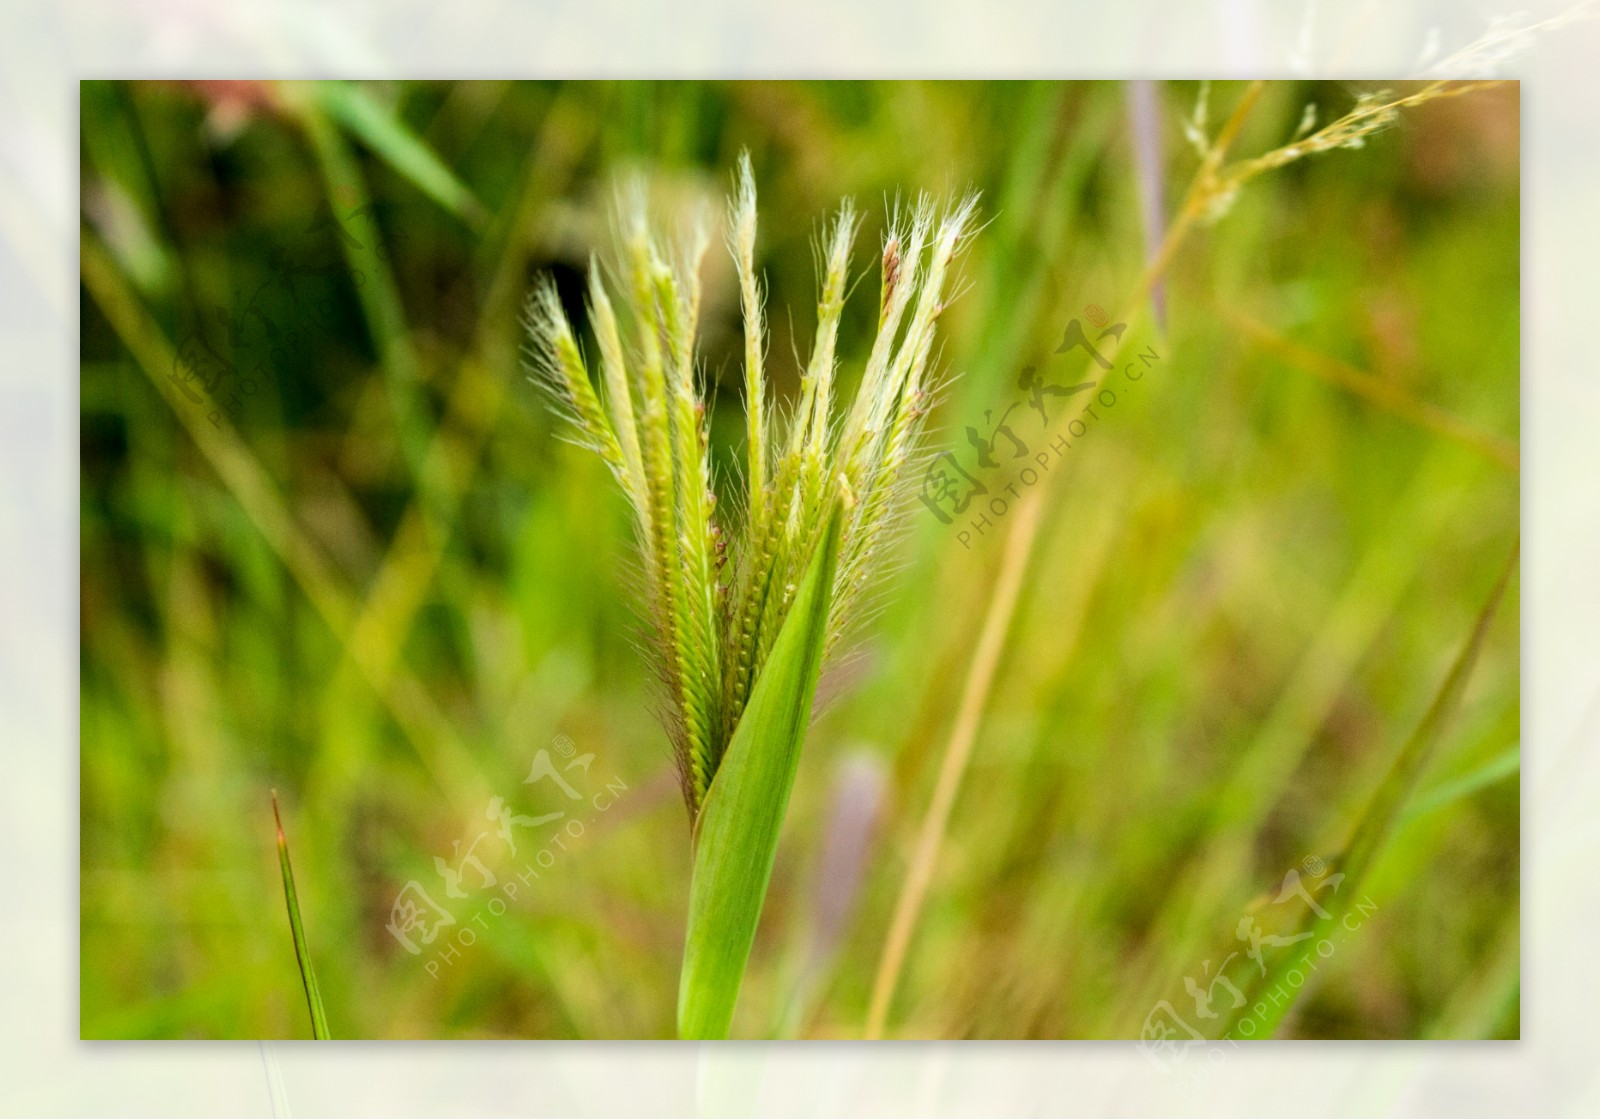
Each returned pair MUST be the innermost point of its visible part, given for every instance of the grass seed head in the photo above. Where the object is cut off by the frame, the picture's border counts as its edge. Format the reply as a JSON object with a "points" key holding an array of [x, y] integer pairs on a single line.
{"points": [[717, 591]]}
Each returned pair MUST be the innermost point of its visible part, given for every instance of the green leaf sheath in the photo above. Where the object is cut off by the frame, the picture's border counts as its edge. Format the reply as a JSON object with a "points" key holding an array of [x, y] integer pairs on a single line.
{"points": [[736, 836]]}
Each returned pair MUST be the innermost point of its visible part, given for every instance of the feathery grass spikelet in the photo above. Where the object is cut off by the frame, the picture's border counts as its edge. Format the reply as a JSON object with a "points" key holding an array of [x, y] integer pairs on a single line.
{"points": [[1374, 112], [718, 599], [742, 245], [558, 363]]}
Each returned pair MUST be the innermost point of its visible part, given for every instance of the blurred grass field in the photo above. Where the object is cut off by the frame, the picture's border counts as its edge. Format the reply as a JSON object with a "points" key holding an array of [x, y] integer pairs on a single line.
{"points": [[333, 544]]}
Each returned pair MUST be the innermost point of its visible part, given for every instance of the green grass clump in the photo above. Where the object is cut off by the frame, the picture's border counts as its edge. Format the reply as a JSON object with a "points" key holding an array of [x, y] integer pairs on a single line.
{"points": [[352, 563]]}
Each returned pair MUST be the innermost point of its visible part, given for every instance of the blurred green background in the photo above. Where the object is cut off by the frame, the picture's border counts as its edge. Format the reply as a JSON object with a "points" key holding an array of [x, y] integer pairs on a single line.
{"points": [[333, 544]]}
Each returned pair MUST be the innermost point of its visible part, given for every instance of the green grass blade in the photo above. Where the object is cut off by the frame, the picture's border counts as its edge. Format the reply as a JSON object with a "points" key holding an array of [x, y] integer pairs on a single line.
{"points": [[377, 292], [380, 129], [736, 834], [1266, 1005], [1498, 768], [1383, 813], [308, 975]]}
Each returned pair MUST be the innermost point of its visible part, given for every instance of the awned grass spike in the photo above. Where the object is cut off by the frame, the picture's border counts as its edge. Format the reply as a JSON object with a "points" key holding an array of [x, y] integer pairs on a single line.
{"points": [[742, 609]]}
